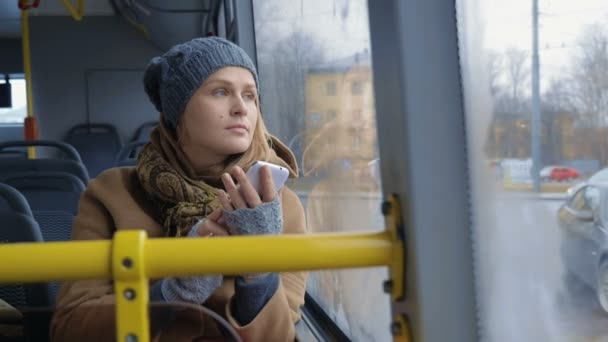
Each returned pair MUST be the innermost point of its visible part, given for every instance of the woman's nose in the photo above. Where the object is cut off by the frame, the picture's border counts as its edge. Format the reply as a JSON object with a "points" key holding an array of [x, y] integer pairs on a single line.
{"points": [[238, 106]]}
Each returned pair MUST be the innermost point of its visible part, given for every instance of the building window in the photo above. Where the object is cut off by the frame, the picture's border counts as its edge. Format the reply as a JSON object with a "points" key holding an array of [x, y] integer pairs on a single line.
{"points": [[330, 88], [356, 88]]}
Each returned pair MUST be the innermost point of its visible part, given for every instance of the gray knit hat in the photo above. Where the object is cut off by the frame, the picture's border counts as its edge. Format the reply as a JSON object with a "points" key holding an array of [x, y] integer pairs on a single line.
{"points": [[171, 79]]}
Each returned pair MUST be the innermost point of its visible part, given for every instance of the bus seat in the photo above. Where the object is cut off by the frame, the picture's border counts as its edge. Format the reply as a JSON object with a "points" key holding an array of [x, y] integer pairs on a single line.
{"points": [[127, 156], [53, 198], [71, 164], [97, 143], [18, 225], [142, 133]]}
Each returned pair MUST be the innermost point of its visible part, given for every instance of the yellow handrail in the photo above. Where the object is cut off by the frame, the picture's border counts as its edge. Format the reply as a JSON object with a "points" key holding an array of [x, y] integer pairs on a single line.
{"points": [[75, 13], [38, 262], [130, 260], [27, 68]]}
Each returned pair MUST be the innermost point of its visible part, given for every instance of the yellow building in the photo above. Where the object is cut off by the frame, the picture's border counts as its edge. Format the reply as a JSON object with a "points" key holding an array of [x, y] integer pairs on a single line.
{"points": [[340, 117]]}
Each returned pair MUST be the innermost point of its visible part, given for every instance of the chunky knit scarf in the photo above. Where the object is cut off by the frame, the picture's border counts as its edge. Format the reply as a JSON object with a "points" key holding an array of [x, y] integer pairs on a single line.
{"points": [[164, 175], [181, 196]]}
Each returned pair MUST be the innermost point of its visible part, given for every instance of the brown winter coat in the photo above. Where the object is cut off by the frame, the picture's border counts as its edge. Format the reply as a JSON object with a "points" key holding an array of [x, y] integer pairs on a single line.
{"points": [[115, 201]]}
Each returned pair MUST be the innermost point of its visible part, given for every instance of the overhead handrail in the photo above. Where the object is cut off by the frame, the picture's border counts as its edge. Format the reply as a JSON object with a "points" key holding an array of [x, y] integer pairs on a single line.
{"points": [[77, 13]]}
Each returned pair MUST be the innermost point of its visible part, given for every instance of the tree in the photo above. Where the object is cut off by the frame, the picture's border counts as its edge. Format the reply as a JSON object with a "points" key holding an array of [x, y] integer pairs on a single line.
{"points": [[285, 52], [518, 73], [589, 86], [555, 105], [495, 69]]}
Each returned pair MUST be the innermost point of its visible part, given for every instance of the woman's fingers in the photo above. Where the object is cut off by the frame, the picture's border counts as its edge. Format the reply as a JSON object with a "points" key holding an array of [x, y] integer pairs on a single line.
{"points": [[235, 197], [224, 201], [210, 228], [267, 184], [215, 215], [245, 188]]}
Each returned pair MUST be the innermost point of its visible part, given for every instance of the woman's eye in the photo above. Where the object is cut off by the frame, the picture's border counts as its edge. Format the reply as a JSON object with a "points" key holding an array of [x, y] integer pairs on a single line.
{"points": [[220, 92], [250, 96]]}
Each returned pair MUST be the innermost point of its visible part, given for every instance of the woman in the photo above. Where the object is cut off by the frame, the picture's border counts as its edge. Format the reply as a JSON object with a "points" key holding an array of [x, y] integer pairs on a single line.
{"points": [[184, 185]]}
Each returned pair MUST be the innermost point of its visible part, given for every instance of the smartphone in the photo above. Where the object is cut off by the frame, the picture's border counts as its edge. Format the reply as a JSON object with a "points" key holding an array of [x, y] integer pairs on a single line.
{"points": [[279, 175]]}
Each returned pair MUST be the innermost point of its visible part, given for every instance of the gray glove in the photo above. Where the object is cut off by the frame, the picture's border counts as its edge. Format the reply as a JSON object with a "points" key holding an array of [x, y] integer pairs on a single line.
{"points": [[265, 219], [190, 289]]}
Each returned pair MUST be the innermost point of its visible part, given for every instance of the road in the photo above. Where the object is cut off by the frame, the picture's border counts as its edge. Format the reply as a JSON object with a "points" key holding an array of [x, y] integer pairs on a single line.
{"points": [[519, 280], [518, 270]]}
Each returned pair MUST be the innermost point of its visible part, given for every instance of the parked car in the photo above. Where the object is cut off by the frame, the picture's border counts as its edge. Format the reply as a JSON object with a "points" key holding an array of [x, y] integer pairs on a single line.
{"points": [[597, 178], [583, 220], [559, 173]]}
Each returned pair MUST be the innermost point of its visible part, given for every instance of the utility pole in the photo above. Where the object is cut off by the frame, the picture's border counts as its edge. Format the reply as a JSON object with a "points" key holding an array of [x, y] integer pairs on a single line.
{"points": [[536, 129]]}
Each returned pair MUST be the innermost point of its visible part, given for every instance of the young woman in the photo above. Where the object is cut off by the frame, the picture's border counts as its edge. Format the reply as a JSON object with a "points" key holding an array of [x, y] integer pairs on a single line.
{"points": [[190, 182]]}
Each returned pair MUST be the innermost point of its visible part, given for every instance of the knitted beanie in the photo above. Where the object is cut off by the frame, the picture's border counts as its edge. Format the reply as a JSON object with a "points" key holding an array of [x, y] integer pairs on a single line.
{"points": [[171, 79]]}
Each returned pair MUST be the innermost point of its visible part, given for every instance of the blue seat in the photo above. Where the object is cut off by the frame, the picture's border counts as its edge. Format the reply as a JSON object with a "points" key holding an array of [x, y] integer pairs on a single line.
{"points": [[142, 133], [18, 225], [128, 154], [71, 163], [97, 143], [53, 198]]}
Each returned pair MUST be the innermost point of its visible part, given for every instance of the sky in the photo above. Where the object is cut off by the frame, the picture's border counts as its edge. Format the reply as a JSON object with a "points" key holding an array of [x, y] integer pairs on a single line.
{"points": [[342, 25], [509, 24]]}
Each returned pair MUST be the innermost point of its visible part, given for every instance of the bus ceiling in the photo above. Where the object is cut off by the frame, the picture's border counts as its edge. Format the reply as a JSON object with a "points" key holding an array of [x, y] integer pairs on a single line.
{"points": [[163, 23]]}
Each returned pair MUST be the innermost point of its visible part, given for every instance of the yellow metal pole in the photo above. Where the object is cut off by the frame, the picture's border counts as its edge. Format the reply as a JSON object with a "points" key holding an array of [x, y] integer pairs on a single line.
{"points": [[241, 255], [131, 259], [37, 262], [130, 286], [75, 13], [27, 68]]}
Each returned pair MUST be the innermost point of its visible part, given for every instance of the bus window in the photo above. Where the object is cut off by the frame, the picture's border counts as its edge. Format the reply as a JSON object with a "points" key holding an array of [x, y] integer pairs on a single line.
{"points": [[536, 132], [18, 110], [316, 93]]}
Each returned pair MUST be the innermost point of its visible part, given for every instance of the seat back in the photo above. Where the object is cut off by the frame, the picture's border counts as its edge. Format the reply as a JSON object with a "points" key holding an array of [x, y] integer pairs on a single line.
{"points": [[71, 163], [142, 133], [128, 154], [97, 143], [53, 198], [18, 225]]}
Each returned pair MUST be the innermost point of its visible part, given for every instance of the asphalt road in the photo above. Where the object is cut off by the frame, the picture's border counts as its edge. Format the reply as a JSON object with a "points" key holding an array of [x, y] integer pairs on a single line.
{"points": [[520, 289]]}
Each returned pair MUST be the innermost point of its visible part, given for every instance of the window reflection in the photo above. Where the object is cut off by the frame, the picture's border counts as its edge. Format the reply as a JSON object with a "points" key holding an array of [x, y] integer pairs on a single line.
{"points": [[316, 92]]}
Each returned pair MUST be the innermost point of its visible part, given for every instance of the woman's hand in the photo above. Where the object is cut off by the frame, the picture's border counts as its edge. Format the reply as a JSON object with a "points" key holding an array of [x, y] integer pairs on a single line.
{"points": [[213, 225], [246, 213], [244, 195]]}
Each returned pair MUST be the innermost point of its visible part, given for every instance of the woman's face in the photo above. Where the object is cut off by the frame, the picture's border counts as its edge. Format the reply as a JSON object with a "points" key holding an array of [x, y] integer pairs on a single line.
{"points": [[220, 118]]}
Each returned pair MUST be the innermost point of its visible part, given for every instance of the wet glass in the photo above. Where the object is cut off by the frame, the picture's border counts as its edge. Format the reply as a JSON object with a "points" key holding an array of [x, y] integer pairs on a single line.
{"points": [[538, 253], [315, 72]]}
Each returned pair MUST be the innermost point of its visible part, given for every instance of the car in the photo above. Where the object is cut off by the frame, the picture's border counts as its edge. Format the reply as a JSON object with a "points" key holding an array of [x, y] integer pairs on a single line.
{"points": [[597, 178], [563, 173], [583, 221], [558, 173], [545, 172]]}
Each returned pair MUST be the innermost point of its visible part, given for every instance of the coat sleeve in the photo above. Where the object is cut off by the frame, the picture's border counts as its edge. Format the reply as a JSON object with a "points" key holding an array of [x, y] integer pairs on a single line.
{"points": [[276, 321], [85, 309]]}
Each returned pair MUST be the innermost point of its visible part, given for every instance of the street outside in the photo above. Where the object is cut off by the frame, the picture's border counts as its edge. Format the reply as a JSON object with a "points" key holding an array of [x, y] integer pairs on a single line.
{"points": [[519, 286], [521, 292]]}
